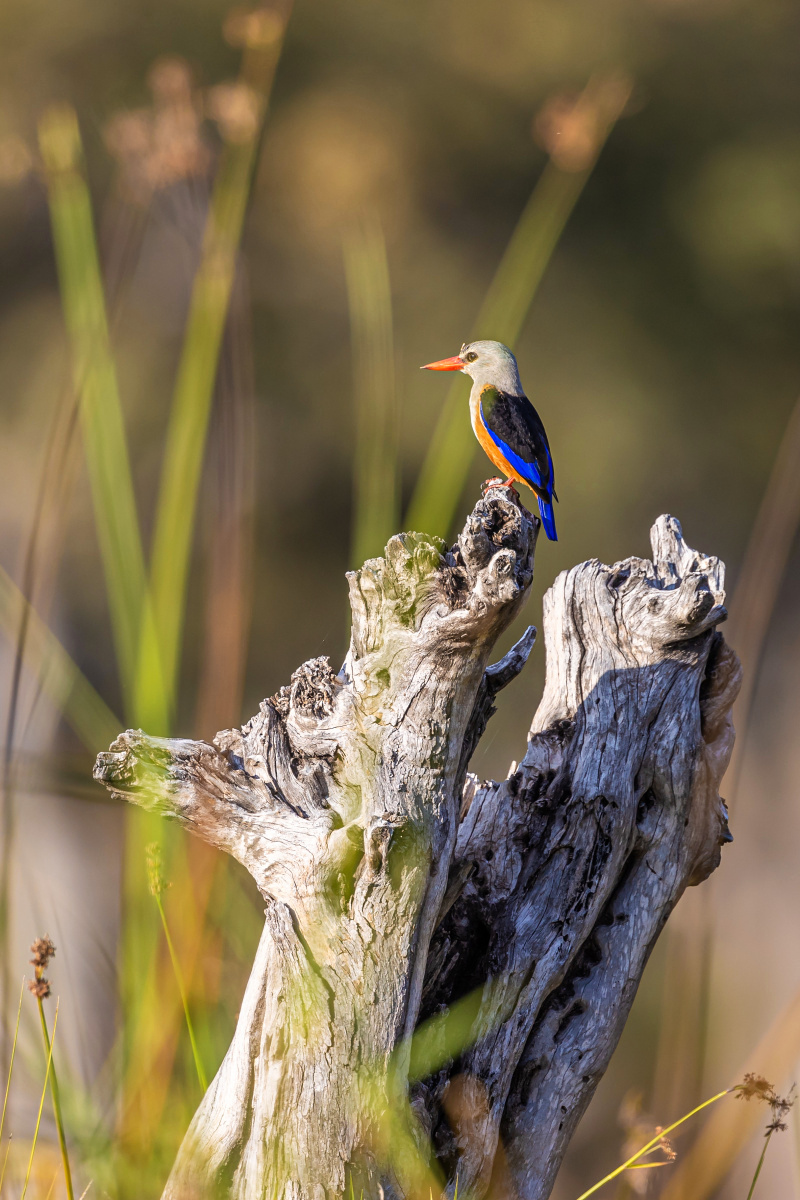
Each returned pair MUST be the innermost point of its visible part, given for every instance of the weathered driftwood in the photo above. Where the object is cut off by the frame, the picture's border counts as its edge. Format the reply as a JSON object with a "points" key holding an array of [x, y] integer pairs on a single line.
{"points": [[517, 916]]}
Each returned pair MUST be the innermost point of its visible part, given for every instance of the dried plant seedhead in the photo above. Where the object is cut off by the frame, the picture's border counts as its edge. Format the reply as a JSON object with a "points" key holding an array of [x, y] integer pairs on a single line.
{"points": [[159, 146], [40, 988], [155, 877], [170, 81], [42, 950], [665, 1146], [780, 1107], [127, 136], [572, 128], [236, 110], [16, 160], [641, 1129], [756, 1086], [253, 28]]}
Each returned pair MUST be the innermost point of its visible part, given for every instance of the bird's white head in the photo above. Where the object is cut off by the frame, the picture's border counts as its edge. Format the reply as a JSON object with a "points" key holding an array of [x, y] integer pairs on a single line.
{"points": [[485, 362]]}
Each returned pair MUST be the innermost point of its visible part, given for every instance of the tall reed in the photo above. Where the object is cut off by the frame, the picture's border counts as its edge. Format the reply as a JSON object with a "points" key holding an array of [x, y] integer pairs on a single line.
{"points": [[376, 482], [43, 951], [157, 888], [147, 635], [240, 110], [574, 134], [102, 421], [687, 997], [241, 122]]}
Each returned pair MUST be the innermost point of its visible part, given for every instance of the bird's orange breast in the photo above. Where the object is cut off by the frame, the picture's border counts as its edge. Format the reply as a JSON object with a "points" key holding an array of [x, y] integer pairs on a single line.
{"points": [[489, 446]]}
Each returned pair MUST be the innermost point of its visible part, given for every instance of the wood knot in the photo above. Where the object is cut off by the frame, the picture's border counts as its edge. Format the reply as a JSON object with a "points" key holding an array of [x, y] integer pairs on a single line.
{"points": [[313, 688], [496, 523], [378, 840]]}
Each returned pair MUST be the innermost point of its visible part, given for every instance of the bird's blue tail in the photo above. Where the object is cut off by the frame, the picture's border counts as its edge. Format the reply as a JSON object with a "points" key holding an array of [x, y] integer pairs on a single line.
{"points": [[548, 518]]}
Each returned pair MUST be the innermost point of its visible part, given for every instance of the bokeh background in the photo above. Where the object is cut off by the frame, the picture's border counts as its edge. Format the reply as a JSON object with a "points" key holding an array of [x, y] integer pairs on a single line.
{"points": [[401, 144]]}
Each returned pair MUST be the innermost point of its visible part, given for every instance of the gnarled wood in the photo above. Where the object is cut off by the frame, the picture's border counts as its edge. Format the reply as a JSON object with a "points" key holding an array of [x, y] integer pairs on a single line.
{"points": [[581, 854], [398, 891]]}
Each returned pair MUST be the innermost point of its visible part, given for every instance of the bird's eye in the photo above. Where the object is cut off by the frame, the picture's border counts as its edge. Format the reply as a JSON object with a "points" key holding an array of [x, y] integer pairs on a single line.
{"points": [[471, 356]]}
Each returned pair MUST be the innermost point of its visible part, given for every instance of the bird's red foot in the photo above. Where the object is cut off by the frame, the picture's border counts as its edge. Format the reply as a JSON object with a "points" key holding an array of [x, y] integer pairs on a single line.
{"points": [[498, 482]]}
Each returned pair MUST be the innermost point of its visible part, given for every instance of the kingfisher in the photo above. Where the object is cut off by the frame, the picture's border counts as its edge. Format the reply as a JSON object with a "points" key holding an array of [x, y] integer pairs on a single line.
{"points": [[505, 422]]}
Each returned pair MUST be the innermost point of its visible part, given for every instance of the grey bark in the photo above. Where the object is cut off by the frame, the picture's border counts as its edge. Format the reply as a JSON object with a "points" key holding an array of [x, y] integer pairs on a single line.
{"points": [[507, 924]]}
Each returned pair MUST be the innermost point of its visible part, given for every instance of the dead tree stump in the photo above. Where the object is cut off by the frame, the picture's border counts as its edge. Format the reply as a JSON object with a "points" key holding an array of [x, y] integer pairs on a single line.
{"points": [[508, 924]]}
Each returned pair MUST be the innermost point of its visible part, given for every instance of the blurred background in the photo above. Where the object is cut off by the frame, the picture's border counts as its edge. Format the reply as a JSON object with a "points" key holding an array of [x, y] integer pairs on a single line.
{"points": [[228, 239]]}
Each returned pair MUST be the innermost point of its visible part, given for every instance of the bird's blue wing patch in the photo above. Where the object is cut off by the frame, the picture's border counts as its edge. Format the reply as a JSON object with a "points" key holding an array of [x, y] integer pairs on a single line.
{"points": [[527, 470], [516, 429], [512, 421]]}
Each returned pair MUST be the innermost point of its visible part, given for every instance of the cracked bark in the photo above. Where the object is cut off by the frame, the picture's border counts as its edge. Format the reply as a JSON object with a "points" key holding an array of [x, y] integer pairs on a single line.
{"points": [[518, 915]]}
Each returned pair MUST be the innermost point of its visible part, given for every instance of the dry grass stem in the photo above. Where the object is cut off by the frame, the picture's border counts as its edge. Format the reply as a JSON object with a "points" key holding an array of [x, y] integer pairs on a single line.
{"points": [[43, 951], [41, 1105], [654, 1143]]}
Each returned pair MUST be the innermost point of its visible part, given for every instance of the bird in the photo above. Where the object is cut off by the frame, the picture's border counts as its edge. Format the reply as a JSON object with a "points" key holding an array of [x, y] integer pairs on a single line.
{"points": [[505, 422]]}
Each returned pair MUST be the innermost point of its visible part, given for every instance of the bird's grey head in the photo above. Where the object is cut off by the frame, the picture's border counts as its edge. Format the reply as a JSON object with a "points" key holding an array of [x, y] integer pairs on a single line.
{"points": [[491, 362], [485, 362]]}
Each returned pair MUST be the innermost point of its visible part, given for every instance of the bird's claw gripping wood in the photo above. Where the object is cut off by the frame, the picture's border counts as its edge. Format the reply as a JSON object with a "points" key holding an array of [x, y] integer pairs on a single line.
{"points": [[497, 482], [396, 885]]}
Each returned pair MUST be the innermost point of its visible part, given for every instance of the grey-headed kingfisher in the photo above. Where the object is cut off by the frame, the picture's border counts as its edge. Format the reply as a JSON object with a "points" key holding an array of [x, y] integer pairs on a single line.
{"points": [[505, 422]]}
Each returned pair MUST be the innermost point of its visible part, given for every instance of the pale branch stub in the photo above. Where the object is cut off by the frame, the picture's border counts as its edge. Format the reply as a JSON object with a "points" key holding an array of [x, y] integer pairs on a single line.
{"points": [[507, 923]]}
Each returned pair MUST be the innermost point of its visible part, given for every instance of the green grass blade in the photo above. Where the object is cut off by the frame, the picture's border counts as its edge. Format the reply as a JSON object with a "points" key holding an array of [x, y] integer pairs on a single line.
{"points": [[447, 463], [176, 967], [11, 1062], [102, 422], [376, 495], [41, 1107], [189, 418], [443, 1036], [503, 312], [62, 1140]]}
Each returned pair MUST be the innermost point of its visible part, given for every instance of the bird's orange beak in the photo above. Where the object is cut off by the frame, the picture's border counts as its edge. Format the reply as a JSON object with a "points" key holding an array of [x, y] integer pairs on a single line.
{"points": [[444, 364]]}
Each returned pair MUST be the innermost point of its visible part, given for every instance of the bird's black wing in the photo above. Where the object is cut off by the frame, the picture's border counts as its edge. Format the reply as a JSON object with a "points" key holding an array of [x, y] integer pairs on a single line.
{"points": [[516, 428]]}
